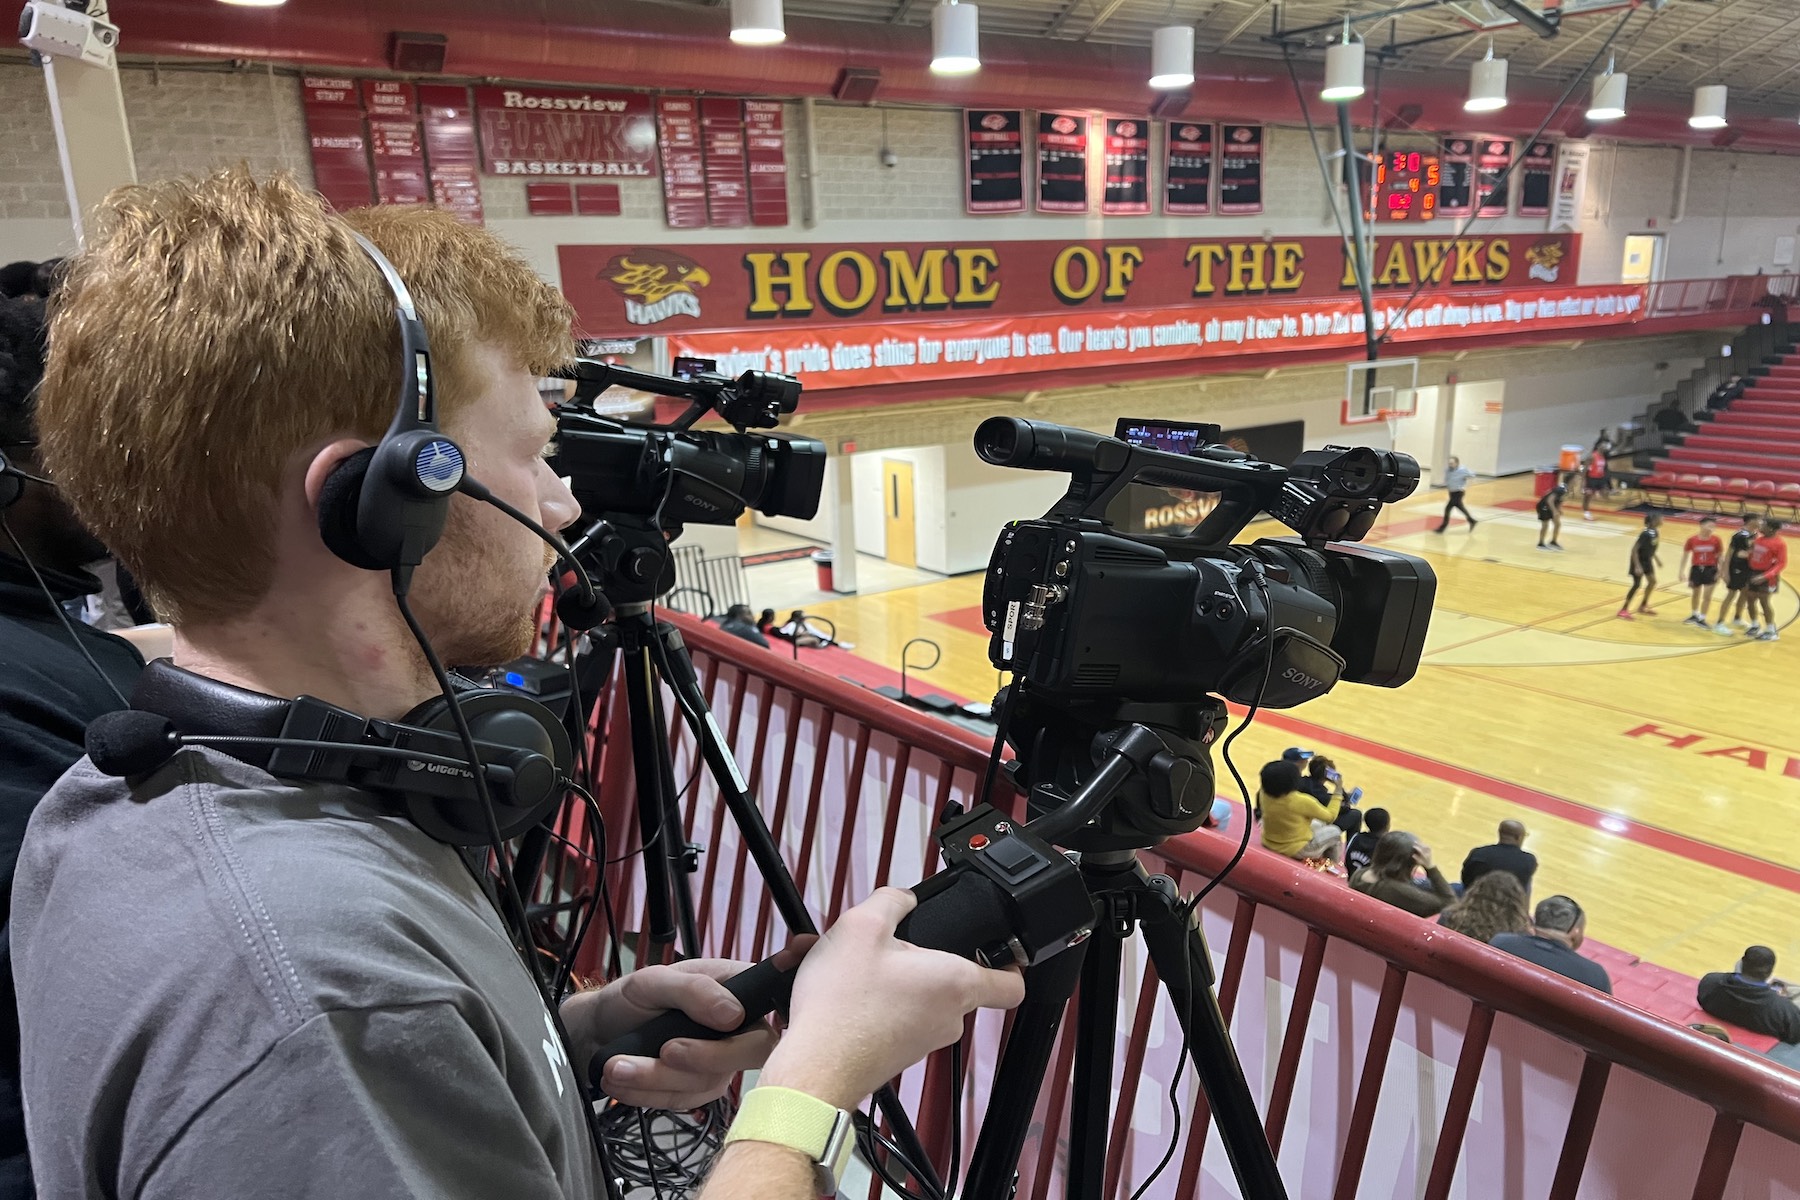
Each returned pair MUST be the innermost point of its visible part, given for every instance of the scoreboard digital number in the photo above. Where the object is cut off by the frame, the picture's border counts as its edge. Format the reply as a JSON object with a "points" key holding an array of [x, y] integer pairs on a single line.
{"points": [[1406, 186]]}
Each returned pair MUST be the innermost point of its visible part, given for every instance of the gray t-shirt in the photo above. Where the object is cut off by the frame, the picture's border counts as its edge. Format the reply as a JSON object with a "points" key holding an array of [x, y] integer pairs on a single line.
{"points": [[231, 985]]}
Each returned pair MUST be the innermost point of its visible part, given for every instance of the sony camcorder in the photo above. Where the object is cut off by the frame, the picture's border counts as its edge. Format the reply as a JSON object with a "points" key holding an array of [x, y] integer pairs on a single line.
{"points": [[678, 475], [1102, 630]]}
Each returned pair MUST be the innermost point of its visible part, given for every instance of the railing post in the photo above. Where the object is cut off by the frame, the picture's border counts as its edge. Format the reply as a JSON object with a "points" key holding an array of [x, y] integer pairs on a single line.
{"points": [[1287, 1068], [1368, 1088], [1462, 1098], [1721, 1152], [1583, 1115]]}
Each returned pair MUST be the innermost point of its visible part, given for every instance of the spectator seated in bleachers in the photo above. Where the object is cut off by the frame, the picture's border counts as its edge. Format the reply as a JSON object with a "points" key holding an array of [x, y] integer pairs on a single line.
{"points": [[1389, 876], [1496, 904], [1506, 854], [1558, 927], [1670, 420], [1360, 849], [1324, 784], [1726, 392], [1750, 996], [739, 624], [1293, 822]]}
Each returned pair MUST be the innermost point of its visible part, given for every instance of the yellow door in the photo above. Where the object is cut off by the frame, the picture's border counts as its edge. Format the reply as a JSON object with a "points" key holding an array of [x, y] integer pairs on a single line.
{"points": [[897, 494], [1641, 251]]}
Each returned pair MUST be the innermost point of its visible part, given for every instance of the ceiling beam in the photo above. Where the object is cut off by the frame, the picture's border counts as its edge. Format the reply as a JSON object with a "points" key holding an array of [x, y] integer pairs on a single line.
{"points": [[1102, 17], [901, 12], [1573, 44], [1237, 31], [1770, 82], [1687, 30], [1062, 18], [1782, 31]]}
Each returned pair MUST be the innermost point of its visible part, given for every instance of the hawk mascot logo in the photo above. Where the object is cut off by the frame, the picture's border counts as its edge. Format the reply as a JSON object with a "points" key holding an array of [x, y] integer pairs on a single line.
{"points": [[1546, 261], [656, 284]]}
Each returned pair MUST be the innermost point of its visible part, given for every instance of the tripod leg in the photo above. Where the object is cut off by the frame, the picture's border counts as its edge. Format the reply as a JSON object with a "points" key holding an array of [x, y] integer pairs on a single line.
{"points": [[644, 754], [678, 670], [681, 857], [671, 656], [1183, 965], [994, 1167], [1096, 1026]]}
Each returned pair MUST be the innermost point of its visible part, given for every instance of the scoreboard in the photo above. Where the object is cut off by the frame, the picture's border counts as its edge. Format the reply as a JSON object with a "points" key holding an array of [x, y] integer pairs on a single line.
{"points": [[1406, 186]]}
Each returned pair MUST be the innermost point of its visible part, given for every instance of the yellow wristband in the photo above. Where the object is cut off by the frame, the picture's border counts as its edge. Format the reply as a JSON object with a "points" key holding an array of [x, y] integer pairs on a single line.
{"points": [[785, 1117]]}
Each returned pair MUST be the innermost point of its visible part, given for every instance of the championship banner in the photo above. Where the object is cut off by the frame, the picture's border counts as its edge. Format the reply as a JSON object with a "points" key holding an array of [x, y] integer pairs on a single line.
{"points": [[1127, 189], [620, 290], [856, 356], [1571, 185], [556, 132], [1062, 157], [1536, 171], [1492, 157], [1187, 168], [727, 175], [1240, 169], [396, 144], [994, 160], [1456, 192]]}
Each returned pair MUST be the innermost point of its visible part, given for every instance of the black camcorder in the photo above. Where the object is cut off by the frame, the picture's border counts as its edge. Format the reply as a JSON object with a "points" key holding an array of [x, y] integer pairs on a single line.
{"points": [[1101, 630], [678, 475]]}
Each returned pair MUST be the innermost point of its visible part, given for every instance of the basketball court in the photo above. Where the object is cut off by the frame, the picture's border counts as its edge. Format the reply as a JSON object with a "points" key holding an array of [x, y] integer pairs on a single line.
{"points": [[1656, 765]]}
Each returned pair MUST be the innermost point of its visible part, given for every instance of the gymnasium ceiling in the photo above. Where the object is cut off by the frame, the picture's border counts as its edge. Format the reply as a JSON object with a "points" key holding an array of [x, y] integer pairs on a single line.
{"points": [[1752, 45]]}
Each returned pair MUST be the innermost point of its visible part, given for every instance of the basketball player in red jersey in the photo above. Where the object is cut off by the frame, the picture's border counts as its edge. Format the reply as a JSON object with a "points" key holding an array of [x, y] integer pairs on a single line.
{"points": [[1768, 556], [1703, 551], [1595, 483]]}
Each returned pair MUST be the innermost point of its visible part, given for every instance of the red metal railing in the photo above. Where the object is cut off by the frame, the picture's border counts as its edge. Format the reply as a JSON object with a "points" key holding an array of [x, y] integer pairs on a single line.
{"points": [[1730, 293], [1352, 1019]]}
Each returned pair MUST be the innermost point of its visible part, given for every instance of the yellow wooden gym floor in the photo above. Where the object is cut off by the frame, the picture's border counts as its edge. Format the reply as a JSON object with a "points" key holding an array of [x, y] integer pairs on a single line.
{"points": [[1656, 765]]}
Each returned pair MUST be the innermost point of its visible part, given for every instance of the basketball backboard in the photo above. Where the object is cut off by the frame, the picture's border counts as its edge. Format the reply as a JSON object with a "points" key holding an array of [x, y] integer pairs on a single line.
{"points": [[1380, 391]]}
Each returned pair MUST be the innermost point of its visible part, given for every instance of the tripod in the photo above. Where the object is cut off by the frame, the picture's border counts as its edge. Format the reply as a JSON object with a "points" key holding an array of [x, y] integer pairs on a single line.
{"points": [[632, 565], [1125, 898]]}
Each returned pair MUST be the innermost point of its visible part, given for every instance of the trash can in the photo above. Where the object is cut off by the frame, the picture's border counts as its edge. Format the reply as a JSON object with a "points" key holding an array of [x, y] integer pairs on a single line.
{"points": [[1543, 479], [822, 561]]}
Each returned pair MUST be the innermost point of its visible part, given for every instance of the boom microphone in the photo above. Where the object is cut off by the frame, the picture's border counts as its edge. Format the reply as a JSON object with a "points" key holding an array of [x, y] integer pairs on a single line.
{"points": [[581, 608], [131, 742]]}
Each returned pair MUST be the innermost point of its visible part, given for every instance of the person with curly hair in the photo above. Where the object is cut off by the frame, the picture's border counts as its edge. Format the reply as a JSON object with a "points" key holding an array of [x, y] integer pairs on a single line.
{"points": [[1495, 903]]}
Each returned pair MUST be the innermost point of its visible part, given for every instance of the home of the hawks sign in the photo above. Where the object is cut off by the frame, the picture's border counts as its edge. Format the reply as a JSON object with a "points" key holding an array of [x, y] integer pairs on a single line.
{"points": [[655, 289]]}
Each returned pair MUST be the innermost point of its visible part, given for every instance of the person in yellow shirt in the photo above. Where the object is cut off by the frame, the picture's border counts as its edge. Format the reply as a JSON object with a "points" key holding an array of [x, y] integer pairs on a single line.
{"points": [[1294, 822]]}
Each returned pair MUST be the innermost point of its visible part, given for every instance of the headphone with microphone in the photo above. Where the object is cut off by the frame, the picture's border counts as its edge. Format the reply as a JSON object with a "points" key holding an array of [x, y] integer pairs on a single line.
{"points": [[13, 481]]}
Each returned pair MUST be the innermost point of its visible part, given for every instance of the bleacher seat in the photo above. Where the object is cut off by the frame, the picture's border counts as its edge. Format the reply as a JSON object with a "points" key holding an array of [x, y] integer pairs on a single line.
{"points": [[1746, 459]]}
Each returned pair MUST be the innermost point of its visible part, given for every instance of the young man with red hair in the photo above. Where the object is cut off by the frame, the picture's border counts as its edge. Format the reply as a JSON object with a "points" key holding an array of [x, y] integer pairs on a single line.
{"points": [[276, 988]]}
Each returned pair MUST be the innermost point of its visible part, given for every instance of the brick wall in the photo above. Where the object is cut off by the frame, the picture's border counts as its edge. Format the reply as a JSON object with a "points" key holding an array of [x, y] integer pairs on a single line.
{"points": [[182, 122]]}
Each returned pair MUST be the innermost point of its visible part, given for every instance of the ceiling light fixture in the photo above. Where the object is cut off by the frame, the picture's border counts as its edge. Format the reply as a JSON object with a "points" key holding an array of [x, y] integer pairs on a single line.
{"points": [[955, 38], [757, 22], [1487, 83], [1343, 69], [1172, 57], [1608, 102], [1709, 107]]}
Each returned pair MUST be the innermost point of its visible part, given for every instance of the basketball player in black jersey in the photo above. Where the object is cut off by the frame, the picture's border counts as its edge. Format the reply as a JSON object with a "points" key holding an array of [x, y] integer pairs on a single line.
{"points": [[1643, 567]]}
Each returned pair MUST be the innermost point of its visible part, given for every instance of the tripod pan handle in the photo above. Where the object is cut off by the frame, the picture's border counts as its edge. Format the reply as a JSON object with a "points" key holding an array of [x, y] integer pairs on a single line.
{"points": [[761, 989]]}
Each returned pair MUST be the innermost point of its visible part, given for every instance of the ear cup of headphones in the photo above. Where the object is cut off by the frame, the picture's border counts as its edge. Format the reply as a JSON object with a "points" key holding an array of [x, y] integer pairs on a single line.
{"points": [[338, 501], [503, 719]]}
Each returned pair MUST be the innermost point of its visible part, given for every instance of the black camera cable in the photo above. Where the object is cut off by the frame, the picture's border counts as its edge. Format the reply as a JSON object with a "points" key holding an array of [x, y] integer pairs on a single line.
{"points": [[57, 608]]}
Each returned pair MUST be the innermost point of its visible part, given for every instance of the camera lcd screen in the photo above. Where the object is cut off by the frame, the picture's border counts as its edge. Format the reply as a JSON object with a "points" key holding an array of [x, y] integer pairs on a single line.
{"points": [[1175, 437]]}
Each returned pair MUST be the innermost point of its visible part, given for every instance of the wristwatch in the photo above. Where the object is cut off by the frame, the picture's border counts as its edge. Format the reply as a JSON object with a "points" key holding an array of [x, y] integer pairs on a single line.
{"points": [[785, 1117]]}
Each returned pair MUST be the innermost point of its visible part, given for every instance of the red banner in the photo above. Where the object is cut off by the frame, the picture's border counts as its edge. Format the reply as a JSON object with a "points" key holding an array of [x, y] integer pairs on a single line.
{"points": [[1127, 188], [683, 164], [549, 131], [765, 145], [450, 151], [634, 290], [1062, 162], [994, 160], [339, 141], [727, 192], [856, 356], [1187, 168]]}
